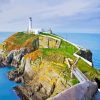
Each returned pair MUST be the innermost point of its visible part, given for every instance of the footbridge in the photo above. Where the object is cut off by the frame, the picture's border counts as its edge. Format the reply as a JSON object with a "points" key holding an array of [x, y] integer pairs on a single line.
{"points": [[76, 72]]}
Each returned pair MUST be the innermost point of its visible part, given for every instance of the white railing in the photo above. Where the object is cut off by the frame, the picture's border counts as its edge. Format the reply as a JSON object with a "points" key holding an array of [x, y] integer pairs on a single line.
{"points": [[88, 62], [78, 47]]}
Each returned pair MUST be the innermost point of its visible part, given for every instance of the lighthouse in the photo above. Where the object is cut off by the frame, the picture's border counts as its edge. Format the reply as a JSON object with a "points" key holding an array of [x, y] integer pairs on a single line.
{"points": [[33, 30], [30, 25]]}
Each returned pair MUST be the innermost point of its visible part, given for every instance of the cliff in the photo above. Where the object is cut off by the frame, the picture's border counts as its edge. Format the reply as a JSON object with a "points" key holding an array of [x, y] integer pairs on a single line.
{"points": [[87, 54], [21, 40], [40, 64]]}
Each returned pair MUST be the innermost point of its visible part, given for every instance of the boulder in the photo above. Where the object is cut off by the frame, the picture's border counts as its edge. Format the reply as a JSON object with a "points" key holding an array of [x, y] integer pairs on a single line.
{"points": [[87, 54], [23, 92], [16, 75]]}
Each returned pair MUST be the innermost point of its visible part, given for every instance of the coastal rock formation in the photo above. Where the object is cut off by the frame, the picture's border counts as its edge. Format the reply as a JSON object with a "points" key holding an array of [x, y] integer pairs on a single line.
{"points": [[16, 75], [87, 54], [39, 63], [43, 84], [2, 61], [37, 93], [35, 44]]}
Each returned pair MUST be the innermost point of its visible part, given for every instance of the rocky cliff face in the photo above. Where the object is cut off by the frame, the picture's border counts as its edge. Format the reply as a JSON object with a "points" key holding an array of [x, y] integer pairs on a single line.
{"points": [[40, 66], [44, 81], [87, 54]]}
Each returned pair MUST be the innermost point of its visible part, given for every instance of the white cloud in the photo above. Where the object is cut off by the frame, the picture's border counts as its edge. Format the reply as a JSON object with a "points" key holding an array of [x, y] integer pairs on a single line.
{"points": [[14, 13]]}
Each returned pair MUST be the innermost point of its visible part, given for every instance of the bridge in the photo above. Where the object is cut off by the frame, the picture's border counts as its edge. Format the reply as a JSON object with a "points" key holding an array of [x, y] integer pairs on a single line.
{"points": [[79, 75], [85, 90], [76, 72]]}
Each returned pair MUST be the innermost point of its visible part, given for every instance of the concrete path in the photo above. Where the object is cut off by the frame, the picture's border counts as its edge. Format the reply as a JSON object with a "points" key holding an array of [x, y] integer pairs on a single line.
{"points": [[79, 75]]}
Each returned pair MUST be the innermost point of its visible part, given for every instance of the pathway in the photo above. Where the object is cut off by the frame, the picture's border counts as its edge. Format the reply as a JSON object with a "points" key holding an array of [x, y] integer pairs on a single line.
{"points": [[74, 70]]}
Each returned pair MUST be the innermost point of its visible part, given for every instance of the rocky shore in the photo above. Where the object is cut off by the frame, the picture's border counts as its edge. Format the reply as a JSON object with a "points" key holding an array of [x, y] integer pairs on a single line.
{"points": [[41, 77], [30, 90]]}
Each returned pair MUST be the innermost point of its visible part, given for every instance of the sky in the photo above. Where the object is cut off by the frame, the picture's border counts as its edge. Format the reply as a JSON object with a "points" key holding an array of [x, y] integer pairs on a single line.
{"points": [[81, 16]]}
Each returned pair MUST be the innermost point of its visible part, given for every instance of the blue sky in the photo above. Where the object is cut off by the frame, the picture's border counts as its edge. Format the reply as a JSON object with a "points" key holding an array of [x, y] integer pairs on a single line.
{"points": [[82, 16]]}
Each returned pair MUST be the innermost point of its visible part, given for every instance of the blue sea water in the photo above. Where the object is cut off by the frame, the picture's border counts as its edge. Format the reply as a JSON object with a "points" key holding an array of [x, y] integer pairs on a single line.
{"points": [[5, 35], [89, 41], [6, 86]]}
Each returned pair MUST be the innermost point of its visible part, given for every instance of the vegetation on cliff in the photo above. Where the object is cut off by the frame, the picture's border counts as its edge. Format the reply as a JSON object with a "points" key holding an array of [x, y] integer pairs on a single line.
{"points": [[67, 50], [1, 46], [19, 40], [50, 73]]}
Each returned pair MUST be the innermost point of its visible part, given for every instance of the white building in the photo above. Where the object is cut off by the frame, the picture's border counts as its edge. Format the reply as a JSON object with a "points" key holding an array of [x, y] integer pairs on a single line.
{"points": [[33, 30], [36, 30], [30, 25]]}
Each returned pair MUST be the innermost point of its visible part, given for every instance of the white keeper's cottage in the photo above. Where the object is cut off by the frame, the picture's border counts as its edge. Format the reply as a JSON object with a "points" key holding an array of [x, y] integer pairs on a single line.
{"points": [[36, 30]]}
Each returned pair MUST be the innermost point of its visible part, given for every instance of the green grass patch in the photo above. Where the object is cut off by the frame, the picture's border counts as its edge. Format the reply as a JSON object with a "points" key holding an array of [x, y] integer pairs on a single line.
{"points": [[48, 34], [89, 71], [65, 49], [21, 37], [74, 81]]}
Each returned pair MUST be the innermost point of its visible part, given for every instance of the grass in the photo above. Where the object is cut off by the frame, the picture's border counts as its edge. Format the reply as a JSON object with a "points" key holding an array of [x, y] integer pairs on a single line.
{"points": [[20, 40], [48, 34], [22, 37], [67, 50], [1, 47], [56, 55], [74, 81], [89, 71], [67, 47]]}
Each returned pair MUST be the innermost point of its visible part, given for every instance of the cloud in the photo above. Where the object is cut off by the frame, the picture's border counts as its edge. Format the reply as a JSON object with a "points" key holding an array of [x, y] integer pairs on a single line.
{"points": [[58, 14], [4, 1]]}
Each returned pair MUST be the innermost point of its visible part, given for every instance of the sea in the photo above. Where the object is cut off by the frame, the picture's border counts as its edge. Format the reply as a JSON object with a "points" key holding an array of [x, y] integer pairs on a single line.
{"points": [[89, 41], [6, 86], [84, 40]]}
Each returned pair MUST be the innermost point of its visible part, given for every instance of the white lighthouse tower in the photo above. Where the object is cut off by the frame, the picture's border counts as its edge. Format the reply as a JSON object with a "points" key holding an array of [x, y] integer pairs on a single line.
{"points": [[33, 30], [30, 25]]}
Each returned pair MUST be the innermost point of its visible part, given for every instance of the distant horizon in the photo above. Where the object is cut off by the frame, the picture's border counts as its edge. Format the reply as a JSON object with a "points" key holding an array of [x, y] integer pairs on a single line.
{"points": [[56, 32], [7, 34]]}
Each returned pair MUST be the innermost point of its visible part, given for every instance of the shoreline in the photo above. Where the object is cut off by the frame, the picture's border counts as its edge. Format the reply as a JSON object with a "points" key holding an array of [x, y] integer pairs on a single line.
{"points": [[21, 75]]}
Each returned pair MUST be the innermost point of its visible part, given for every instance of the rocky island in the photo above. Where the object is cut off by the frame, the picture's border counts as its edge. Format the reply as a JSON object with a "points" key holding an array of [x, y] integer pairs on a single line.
{"points": [[49, 67]]}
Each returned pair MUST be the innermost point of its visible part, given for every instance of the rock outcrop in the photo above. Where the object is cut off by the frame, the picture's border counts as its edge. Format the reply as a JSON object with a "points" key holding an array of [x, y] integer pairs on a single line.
{"points": [[16, 59], [2, 61], [43, 72], [87, 54], [37, 92], [16, 75]]}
